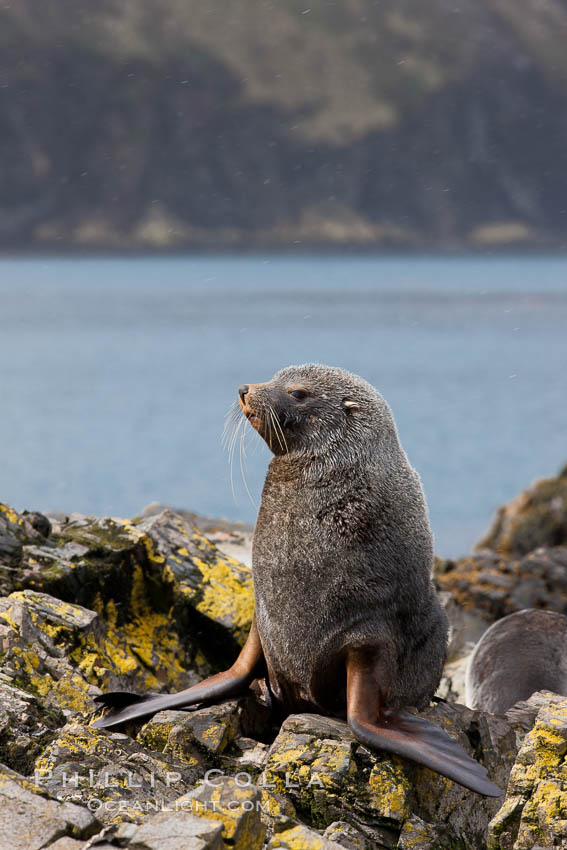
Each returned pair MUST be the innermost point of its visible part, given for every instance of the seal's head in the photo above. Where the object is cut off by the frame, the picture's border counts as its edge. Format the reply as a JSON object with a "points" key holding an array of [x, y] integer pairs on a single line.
{"points": [[314, 409]]}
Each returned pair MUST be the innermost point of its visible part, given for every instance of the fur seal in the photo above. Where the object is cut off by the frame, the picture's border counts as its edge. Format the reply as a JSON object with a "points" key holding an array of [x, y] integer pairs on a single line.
{"points": [[518, 655], [346, 616]]}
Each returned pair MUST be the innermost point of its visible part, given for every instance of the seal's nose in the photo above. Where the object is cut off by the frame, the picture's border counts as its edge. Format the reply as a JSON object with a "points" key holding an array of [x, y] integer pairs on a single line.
{"points": [[242, 392]]}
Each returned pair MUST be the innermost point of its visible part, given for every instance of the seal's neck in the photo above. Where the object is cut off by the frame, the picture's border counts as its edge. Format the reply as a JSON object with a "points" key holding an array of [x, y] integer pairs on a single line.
{"points": [[338, 461]]}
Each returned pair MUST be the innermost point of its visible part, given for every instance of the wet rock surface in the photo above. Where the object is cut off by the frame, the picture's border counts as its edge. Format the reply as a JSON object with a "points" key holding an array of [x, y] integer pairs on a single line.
{"points": [[153, 604]]}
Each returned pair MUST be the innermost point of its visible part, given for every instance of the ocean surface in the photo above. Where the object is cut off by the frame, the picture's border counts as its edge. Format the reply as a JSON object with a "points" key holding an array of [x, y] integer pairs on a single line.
{"points": [[116, 374]]}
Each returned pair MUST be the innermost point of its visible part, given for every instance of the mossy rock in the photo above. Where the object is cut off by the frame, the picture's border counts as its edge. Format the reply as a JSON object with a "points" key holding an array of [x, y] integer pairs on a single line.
{"points": [[537, 517]]}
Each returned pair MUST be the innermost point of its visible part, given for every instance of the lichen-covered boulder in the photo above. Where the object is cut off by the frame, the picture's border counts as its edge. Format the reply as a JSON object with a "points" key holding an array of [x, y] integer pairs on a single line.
{"points": [[534, 813], [492, 586], [329, 777], [172, 830], [112, 775], [64, 653], [215, 585], [301, 837], [26, 726], [156, 581], [454, 811], [40, 637], [535, 518], [31, 819], [233, 802], [215, 730], [16, 530]]}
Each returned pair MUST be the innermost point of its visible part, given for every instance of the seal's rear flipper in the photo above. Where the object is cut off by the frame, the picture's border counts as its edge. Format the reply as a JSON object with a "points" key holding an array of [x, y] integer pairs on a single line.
{"points": [[230, 683], [419, 740], [402, 733]]}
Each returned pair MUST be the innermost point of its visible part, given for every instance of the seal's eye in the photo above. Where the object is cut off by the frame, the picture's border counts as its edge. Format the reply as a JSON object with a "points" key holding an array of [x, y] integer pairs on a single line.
{"points": [[299, 394]]}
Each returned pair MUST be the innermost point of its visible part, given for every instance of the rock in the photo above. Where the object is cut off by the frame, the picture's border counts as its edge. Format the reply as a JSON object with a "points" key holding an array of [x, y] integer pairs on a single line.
{"points": [[536, 518], [67, 843], [252, 754], [535, 810], [457, 633], [458, 813], [453, 686], [493, 586], [300, 837], [417, 834], [62, 652], [217, 587], [231, 538], [177, 830], [155, 733], [30, 818], [211, 732], [328, 776], [211, 729], [15, 531], [347, 836], [179, 597], [26, 726], [235, 804], [40, 636], [112, 775]]}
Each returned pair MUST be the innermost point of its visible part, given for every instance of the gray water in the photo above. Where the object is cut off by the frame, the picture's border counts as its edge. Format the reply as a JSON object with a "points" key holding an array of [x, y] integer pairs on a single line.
{"points": [[115, 374]]}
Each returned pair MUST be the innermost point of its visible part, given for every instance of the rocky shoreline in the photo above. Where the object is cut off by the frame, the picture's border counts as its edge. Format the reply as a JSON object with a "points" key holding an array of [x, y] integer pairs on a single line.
{"points": [[157, 603]]}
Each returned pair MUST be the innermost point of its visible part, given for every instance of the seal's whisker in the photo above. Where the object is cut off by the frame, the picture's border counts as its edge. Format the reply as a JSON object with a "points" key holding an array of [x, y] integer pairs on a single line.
{"points": [[242, 468], [231, 445], [273, 428], [279, 430], [231, 419], [270, 426]]}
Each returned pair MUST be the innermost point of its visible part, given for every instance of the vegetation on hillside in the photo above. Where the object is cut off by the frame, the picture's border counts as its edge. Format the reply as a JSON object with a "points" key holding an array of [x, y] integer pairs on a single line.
{"points": [[175, 123]]}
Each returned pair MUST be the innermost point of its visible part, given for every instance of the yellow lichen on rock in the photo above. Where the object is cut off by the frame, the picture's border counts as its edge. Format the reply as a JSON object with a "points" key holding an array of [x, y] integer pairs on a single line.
{"points": [[535, 809], [300, 837], [389, 790], [236, 805], [225, 596], [10, 514]]}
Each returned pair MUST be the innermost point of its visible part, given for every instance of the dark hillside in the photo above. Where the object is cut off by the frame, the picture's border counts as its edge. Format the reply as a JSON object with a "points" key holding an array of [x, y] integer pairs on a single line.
{"points": [[176, 123]]}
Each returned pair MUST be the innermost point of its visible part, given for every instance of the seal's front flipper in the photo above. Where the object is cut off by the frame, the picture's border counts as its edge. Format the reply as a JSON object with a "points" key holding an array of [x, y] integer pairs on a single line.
{"points": [[131, 706], [229, 683], [406, 734]]}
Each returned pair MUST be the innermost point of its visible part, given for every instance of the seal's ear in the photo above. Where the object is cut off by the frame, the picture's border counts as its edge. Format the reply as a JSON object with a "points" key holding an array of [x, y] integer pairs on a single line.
{"points": [[349, 405]]}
